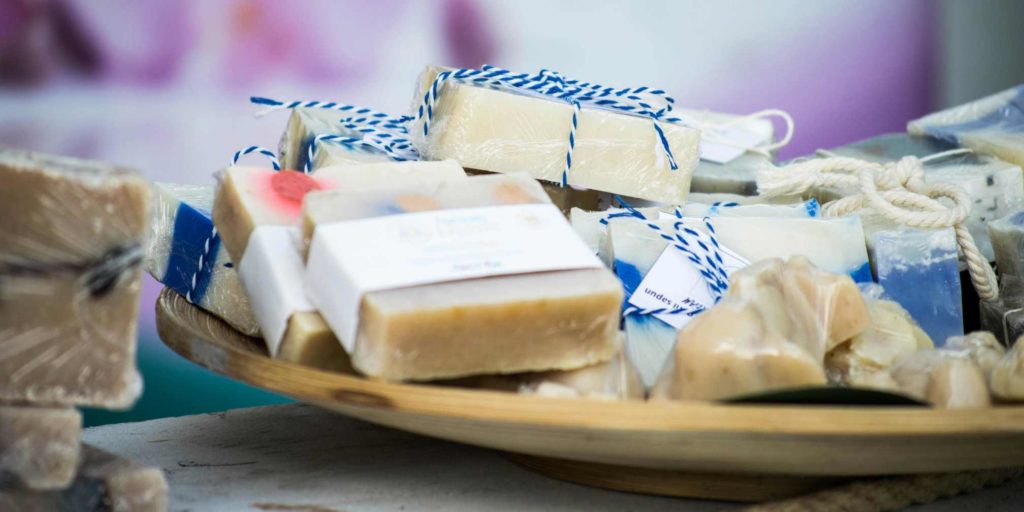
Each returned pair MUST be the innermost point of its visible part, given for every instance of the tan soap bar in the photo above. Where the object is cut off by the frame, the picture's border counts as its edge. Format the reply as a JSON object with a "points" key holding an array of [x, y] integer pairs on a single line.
{"points": [[38, 447], [534, 321], [1007, 378], [104, 483], [507, 132], [249, 198], [70, 257], [943, 378]]}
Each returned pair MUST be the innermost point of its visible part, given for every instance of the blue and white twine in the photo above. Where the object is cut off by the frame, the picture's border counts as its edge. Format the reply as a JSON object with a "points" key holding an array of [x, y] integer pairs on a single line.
{"points": [[654, 104], [256, 149], [709, 263]]}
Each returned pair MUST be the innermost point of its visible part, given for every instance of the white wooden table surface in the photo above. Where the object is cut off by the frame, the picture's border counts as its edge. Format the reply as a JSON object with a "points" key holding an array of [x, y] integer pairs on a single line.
{"points": [[300, 458]]}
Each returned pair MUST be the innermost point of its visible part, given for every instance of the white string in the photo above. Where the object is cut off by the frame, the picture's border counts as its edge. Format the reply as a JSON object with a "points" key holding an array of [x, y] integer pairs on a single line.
{"points": [[711, 131], [897, 191]]}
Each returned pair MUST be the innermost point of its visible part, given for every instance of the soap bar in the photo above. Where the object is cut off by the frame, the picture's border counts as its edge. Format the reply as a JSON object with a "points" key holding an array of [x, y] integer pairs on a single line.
{"points": [[724, 197], [919, 269], [70, 258], [183, 251], [258, 212], [592, 227], [38, 447], [304, 124], [993, 124], [982, 347], [615, 379], [104, 483], [1007, 375], [1004, 317], [996, 187], [560, 319], [787, 315], [891, 337], [835, 245], [1007, 235], [943, 378], [696, 209], [501, 131], [736, 177]]}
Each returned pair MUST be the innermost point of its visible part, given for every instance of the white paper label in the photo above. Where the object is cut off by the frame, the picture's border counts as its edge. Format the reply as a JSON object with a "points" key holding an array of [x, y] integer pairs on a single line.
{"points": [[713, 150], [348, 259], [674, 282], [271, 271]]}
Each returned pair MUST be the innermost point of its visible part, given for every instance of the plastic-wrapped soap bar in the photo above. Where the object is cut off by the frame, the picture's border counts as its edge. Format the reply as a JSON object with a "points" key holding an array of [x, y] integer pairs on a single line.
{"points": [[1005, 316], [809, 208], [993, 124], [304, 125], [996, 187], [70, 257], [736, 177], [38, 447], [442, 281], [258, 212], [616, 379], [836, 245], [183, 252], [946, 379], [1007, 235], [769, 332], [506, 132], [1007, 375], [919, 269], [104, 483]]}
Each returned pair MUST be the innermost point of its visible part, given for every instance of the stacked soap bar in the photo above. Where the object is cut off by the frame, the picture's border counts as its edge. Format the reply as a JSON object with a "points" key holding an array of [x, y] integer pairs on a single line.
{"points": [[104, 482], [996, 187], [836, 245], [771, 331], [183, 251], [38, 447], [919, 268], [258, 212], [505, 131], [1007, 235], [381, 267], [994, 125], [304, 125], [70, 255]]}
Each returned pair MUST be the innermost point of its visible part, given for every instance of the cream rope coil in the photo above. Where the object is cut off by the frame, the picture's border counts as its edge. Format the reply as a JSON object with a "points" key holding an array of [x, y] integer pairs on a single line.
{"points": [[897, 191]]}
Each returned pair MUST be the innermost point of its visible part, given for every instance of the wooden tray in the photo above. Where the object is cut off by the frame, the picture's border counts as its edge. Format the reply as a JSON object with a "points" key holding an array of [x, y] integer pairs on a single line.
{"points": [[734, 452]]}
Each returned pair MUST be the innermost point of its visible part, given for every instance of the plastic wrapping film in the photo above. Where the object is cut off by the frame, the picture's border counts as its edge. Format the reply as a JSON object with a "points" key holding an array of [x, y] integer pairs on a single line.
{"points": [[1007, 375], [105, 482], [38, 447], [304, 124], [891, 337], [996, 187], [258, 212], [770, 331], [1007, 235], [615, 379], [501, 131], [1004, 317], [562, 319], [184, 253], [945, 378], [834, 244], [993, 124], [918, 268], [70, 258]]}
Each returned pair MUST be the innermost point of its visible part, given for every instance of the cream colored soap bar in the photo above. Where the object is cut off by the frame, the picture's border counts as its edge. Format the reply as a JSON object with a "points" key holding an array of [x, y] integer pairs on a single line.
{"points": [[70, 258], [770, 331], [489, 325], [505, 132], [892, 337], [1007, 377], [183, 251], [943, 378], [104, 483], [38, 447], [251, 199]]}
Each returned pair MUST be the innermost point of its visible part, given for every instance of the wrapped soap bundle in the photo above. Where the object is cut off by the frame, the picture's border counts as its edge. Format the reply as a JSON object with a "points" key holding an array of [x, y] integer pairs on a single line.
{"points": [[70, 259]]}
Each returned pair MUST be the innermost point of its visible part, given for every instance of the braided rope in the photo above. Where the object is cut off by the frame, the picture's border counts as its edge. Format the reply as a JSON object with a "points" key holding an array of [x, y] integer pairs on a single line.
{"points": [[897, 191], [893, 493], [256, 149]]}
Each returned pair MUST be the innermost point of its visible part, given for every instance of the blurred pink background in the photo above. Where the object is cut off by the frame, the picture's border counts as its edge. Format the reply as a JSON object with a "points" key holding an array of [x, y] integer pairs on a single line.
{"points": [[164, 86]]}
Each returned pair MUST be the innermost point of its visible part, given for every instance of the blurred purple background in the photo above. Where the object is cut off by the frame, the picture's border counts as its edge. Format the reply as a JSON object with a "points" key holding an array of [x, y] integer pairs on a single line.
{"points": [[163, 86]]}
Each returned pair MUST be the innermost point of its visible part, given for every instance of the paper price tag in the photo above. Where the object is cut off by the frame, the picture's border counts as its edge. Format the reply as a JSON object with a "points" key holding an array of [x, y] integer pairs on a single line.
{"points": [[674, 282]]}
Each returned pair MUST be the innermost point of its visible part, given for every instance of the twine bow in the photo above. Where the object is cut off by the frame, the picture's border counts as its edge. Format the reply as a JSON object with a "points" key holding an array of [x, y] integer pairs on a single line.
{"points": [[897, 191]]}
